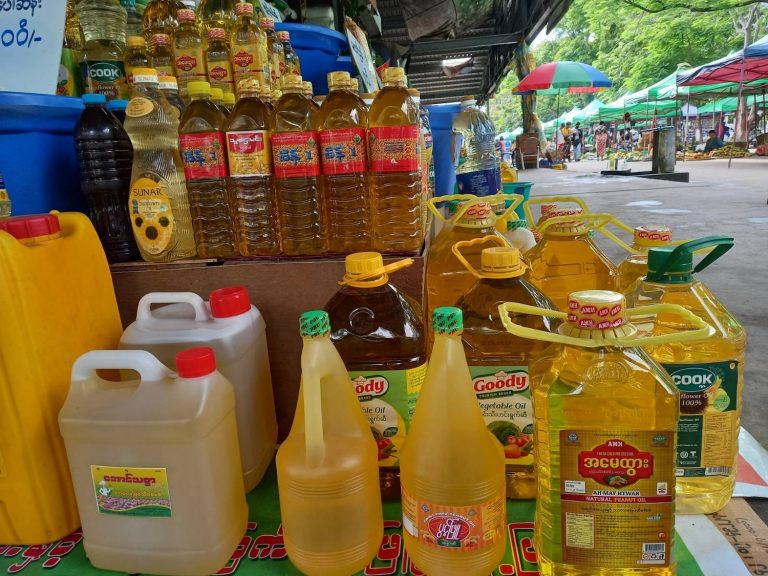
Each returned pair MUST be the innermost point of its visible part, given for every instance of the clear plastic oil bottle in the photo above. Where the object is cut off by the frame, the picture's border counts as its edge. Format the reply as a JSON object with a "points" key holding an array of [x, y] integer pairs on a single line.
{"points": [[218, 60], [708, 373], [248, 46], [189, 57], [635, 265], [605, 422]]}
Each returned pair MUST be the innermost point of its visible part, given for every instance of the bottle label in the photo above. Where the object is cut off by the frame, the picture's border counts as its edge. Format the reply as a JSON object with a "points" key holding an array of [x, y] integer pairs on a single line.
{"points": [[480, 183], [189, 63], [707, 430], [132, 491], [249, 153], [468, 528], [220, 72], [394, 148], [616, 492], [139, 106], [504, 396], [152, 219], [343, 151], [204, 155], [295, 154], [248, 64], [105, 77], [388, 398]]}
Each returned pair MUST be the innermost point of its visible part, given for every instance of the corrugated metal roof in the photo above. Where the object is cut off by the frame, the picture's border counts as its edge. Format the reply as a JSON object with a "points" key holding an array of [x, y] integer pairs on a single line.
{"points": [[491, 45]]}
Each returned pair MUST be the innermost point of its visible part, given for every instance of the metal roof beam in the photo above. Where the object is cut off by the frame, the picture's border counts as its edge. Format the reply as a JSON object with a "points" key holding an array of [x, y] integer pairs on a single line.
{"points": [[463, 43]]}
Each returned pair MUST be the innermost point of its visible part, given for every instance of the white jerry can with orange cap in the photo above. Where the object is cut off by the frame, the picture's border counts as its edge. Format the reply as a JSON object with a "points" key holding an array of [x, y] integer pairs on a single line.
{"points": [[56, 303], [236, 331]]}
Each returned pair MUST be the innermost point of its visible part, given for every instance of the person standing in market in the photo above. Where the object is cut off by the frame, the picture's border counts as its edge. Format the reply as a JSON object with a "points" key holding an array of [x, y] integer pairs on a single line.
{"points": [[565, 147], [720, 128], [577, 140], [601, 140]]}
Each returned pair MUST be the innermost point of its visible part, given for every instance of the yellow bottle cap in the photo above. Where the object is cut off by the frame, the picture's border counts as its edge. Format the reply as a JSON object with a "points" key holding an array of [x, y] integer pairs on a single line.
{"points": [[337, 80], [229, 99], [597, 310], [652, 235], [217, 34], [292, 81], [145, 76], [569, 227], [168, 83], [242, 8], [363, 263], [249, 86], [307, 86], [266, 23], [186, 15], [367, 96], [393, 75], [413, 93], [217, 95], [200, 88], [161, 39], [136, 42], [479, 215], [367, 269], [354, 84], [467, 98], [276, 94], [501, 261]]}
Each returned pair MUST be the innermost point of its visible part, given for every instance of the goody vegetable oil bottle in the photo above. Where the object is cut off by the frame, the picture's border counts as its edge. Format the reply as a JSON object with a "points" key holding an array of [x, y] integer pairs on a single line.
{"points": [[454, 513], [605, 421], [342, 125], [635, 265], [498, 361], [708, 373], [447, 279], [327, 472], [395, 177], [380, 335]]}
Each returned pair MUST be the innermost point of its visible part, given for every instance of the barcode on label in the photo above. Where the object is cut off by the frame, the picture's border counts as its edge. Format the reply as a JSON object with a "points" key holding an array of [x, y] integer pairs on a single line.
{"points": [[655, 547], [717, 471]]}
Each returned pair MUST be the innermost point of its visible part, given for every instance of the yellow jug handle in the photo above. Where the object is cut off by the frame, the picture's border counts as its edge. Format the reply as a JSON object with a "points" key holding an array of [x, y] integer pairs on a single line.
{"points": [[611, 236], [314, 439], [703, 330], [466, 243], [472, 200], [385, 270], [434, 201], [548, 200]]}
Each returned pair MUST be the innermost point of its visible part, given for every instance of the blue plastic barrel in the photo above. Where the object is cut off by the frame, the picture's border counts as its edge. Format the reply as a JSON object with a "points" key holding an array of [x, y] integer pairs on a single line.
{"points": [[441, 120], [37, 152]]}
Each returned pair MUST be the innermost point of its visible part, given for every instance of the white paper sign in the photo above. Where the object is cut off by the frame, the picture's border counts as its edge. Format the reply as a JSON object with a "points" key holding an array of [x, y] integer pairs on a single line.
{"points": [[363, 63], [31, 37], [270, 11]]}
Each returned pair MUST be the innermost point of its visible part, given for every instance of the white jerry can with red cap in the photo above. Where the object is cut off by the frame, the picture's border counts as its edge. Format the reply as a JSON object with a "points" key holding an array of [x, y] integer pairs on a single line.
{"points": [[154, 463], [236, 331]]}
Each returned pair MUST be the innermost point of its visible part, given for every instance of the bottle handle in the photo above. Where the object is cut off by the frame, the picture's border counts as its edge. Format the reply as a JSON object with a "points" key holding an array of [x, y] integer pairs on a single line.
{"points": [[149, 368], [471, 200], [314, 439], [721, 245], [144, 311], [551, 199], [434, 201], [359, 280], [456, 249]]}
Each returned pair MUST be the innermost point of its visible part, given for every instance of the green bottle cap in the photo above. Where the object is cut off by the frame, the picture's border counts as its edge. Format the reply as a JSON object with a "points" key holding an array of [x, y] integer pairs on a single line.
{"points": [[447, 320], [674, 264], [314, 323]]}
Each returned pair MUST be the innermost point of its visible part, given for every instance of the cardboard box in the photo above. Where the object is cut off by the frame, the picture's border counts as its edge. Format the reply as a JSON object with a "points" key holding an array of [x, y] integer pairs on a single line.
{"points": [[280, 289]]}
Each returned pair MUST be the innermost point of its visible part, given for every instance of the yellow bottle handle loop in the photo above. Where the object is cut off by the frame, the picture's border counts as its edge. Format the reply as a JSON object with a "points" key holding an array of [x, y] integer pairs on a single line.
{"points": [[515, 201], [615, 239], [456, 249], [551, 200], [433, 202], [703, 330], [471, 200], [375, 278], [596, 219]]}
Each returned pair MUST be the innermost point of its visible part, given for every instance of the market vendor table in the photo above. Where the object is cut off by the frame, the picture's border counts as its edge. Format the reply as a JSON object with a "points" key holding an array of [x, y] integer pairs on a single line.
{"points": [[732, 542]]}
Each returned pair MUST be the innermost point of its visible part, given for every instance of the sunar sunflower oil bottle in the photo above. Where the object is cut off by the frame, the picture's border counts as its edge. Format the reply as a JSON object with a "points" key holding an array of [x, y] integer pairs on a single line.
{"points": [[708, 373], [605, 421], [380, 335], [327, 474], [452, 468], [498, 361], [635, 265], [567, 259]]}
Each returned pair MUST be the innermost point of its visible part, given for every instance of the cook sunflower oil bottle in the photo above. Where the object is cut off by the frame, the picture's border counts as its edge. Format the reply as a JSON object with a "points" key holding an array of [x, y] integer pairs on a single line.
{"points": [[474, 151], [327, 472], [217, 14], [162, 57], [380, 336], [605, 421], [635, 265], [291, 59], [274, 51], [188, 52], [498, 361], [567, 259], [298, 186], [251, 191], [249, 46], [157, 203], [709, 373], [204, 151], [218, 60], [103, 23], [342, 125], [136, 56], [447, 279], [395, 177], [452, 468]]}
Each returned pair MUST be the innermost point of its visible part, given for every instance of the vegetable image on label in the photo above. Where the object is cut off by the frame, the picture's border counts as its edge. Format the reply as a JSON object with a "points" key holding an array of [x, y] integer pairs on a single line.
{"points": [[151, 215], [132, 491]]}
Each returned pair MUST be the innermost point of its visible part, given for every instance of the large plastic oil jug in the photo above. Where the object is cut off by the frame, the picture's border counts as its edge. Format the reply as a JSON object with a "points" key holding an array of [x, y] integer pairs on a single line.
{"points": [[155, 463], [327, 469], [56, 303], [236, 331], [708, 373], [605, 427]]}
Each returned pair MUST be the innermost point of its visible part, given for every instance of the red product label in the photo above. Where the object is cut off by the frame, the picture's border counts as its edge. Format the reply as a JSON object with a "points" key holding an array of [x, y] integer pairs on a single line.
{"points": [[218, 73], [615, 464], [343, 151], [295, 154], [394, 148], [243, 59], [186, 62], [204, 155]]}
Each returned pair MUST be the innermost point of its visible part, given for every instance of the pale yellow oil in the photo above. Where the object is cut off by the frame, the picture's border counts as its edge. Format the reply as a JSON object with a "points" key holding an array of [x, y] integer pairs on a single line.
{"points": [[633, 267]]}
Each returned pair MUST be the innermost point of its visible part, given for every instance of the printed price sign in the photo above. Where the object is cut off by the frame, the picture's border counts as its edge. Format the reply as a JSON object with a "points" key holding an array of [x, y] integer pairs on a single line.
{"points": [[363, 62], [270, 11], [31, 35]]}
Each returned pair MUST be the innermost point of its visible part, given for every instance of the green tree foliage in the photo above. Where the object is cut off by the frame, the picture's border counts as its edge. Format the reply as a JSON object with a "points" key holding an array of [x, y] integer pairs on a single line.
{"points": [[632, 47]]}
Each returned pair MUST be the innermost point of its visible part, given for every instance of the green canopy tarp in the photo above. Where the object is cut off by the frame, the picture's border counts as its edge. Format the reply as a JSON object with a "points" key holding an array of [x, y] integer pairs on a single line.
{"points": [[730, 104]]}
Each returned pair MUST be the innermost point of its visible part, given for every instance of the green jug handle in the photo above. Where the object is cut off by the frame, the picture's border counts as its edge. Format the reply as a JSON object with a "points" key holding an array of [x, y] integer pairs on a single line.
{"points": [[721, 245]]}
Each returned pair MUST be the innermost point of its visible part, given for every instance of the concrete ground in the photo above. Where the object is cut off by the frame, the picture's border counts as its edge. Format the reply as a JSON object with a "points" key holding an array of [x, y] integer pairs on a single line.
{"points": [[717, 201]]}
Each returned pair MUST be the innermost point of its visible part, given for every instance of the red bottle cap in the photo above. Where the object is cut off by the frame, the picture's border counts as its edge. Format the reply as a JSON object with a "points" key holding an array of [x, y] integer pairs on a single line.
{"points": [[22, 227], [195, 362], [229, 301]]}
